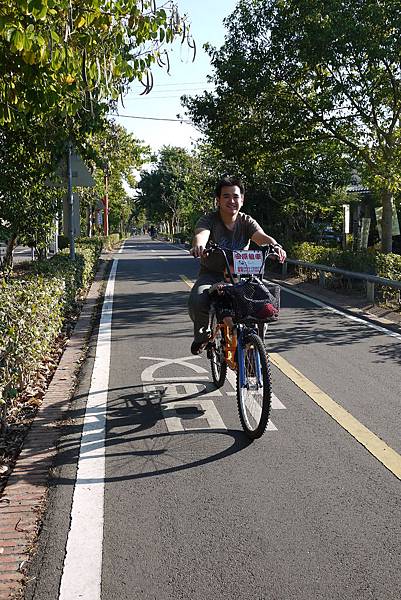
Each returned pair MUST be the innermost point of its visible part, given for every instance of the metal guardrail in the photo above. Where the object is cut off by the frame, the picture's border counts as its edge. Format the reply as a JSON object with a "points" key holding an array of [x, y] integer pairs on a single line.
{"points": [[371, 280]]}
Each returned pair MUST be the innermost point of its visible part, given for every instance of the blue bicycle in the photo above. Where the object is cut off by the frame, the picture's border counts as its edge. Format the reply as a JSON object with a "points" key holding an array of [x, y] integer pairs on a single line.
{"points": [[239, 313]]}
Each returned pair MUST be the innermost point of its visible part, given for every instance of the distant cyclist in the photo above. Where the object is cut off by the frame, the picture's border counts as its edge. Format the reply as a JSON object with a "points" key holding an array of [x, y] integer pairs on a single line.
{"points": [[232, 229]]}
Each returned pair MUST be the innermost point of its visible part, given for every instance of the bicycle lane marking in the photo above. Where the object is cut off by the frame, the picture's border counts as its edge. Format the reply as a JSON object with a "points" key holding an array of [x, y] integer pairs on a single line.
{"points": [[373, 444], [82, 570], [276, 404], [186, 402]]}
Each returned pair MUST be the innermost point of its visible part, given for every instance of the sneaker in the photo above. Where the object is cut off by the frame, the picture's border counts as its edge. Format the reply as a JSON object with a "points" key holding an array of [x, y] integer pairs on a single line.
{"points": [[197, 347]]}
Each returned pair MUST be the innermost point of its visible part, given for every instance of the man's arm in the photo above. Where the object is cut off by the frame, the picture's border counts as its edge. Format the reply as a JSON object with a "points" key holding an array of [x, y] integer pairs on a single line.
{"points": [[262, 239], [199, 242]]}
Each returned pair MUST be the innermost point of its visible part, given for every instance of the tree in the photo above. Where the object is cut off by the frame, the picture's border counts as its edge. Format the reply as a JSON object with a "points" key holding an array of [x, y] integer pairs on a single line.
{"points": [[293, 74], [118, 151], [27, 205], [172, 189], [62, 56]]}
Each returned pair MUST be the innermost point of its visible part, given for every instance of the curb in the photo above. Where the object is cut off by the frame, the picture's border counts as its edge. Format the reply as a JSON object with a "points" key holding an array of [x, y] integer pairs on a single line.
{"points": [[24, 497]]}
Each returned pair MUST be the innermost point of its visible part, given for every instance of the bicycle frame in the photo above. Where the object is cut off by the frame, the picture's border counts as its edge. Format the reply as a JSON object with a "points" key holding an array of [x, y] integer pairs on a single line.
{"points": [[234, 350]]}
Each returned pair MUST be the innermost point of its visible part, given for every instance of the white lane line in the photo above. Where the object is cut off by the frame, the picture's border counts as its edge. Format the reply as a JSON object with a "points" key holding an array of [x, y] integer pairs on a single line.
{"points": [[81, 578], [340, 312]]}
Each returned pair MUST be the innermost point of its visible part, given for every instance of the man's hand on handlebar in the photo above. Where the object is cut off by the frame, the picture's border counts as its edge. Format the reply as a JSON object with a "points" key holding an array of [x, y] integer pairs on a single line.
{"points": [[197, 251], [280, 252]]}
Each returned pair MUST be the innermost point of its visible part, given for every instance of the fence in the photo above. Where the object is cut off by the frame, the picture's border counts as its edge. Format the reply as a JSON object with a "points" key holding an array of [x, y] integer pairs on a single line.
{"points": [[371, 280]]}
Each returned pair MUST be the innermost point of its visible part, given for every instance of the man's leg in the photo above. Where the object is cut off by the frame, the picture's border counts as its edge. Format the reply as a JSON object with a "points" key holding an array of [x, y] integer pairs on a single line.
{"points": [[199, 304]]}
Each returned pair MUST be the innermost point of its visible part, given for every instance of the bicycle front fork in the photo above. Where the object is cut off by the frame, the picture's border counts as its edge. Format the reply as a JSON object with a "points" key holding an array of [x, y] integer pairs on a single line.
{"points": [[241, 359]]}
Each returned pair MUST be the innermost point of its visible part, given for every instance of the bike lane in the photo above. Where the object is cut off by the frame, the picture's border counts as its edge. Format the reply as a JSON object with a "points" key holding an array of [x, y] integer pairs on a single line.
{"points": [[191, 510]]}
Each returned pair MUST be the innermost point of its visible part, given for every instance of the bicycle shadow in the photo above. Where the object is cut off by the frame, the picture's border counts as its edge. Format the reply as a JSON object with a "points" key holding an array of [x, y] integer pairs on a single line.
{"points": [[135, 431]]}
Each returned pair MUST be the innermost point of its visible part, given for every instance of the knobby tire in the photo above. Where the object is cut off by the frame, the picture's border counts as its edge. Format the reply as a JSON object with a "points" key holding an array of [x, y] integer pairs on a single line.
{"points": [[254, 404], [217, 357]]}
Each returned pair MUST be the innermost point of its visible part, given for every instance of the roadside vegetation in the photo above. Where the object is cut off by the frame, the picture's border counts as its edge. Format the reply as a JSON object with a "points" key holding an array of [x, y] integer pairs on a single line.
{"points": [[304, 99], [65, 66]]}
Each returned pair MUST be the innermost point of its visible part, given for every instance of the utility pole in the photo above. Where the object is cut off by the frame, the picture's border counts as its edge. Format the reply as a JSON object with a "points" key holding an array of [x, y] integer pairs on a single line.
{"points": [[70, 202], [106, 170]]}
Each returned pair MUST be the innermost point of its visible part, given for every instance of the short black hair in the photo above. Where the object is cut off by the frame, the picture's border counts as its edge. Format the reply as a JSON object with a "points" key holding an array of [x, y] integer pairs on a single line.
{"points": [[228, 181]]}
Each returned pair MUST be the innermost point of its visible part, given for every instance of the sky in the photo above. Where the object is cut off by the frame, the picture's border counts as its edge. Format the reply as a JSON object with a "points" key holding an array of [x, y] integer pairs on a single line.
{"points": [[186, 77]]}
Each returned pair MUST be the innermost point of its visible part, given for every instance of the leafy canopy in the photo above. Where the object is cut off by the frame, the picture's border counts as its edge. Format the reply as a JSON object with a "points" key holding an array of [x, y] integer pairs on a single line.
{"points": [[57, 55], [292, 74]]}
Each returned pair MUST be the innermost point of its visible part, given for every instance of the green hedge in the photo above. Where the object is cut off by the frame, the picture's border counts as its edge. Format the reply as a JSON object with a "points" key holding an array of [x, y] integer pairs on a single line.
{"points": [[364, 261], [32, 311], [30, 319]]}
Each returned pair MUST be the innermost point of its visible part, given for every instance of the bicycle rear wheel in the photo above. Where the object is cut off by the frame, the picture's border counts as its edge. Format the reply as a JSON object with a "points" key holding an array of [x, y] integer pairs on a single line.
{"points": [[253, 387], [218, 364]]}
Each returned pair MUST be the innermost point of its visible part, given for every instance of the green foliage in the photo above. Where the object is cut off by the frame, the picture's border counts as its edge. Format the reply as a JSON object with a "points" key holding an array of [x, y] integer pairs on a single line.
{"points": [[27, 205], [111, 241], [293, 77], [30, 319], [60, 55], [364, 261], [114, 151], [361, 262], [32, 311], [172, 191]]}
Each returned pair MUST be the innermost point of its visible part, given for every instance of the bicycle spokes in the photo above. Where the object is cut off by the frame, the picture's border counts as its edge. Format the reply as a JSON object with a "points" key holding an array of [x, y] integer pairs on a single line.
{"points": [[253, 386]]}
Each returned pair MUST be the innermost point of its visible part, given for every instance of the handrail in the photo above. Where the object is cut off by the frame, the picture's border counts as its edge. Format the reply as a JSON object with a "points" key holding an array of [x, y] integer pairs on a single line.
{"points": [[370, 279]]}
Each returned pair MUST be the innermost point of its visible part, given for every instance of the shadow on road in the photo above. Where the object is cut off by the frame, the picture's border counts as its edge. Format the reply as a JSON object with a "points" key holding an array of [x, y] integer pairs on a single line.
{"points": [[134, 421]]}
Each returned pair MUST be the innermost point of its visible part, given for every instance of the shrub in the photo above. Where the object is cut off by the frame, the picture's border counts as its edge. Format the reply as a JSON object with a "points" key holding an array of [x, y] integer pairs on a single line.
{"points": [[364, 261], [32, 312], [30, 319]]}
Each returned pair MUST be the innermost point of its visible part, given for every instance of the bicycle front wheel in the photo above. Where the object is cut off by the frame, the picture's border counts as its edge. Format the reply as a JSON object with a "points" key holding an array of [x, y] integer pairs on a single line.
{"points": [[218, 363], [253, 386]]}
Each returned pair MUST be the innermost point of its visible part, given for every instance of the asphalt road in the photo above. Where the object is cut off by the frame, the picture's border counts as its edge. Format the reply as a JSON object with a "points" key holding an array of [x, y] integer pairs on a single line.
{"points": [[191, 509]]}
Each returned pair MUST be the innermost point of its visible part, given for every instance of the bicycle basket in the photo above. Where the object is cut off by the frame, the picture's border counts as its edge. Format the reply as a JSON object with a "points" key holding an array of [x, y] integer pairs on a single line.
{"points": [[253, 299]]}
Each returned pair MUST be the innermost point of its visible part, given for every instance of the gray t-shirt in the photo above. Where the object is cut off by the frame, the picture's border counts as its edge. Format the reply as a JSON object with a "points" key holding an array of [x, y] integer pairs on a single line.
{"points": [[238, 239]]}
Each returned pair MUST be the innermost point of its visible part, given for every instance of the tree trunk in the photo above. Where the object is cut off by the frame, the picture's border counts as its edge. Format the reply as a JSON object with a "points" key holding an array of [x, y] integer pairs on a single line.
{"points": [[387, 222], [8, 259]]}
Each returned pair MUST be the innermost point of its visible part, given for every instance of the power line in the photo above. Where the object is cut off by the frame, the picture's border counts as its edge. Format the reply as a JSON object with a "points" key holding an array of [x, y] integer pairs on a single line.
{"points": [[155, 92], [183, 83], [134, 98], [153, 118]]}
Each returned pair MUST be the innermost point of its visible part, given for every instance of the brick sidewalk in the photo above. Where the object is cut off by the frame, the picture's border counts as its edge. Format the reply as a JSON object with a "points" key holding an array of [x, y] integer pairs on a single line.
{"points": [[24, 498]]}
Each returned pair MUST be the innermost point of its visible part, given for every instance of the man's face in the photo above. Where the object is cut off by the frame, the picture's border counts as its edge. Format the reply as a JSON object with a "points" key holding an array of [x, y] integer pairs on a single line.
{"points": [[230, 200]]}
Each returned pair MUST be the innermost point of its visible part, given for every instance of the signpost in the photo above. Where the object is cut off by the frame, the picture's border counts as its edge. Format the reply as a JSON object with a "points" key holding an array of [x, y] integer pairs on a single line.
{"points": [[72, 173]]}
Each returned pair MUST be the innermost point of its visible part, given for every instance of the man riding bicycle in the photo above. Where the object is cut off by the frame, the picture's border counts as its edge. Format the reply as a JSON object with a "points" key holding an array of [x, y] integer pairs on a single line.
{"points": [[232, 229]]}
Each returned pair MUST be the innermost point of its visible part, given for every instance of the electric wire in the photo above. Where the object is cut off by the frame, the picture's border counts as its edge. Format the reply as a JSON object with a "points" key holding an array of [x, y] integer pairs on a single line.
{"points": [[186, 121]]}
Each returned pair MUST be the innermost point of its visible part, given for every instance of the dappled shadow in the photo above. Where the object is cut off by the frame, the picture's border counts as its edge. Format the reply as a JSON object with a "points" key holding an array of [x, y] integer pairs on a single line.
{"points": [[144, 314], [302, 326]]}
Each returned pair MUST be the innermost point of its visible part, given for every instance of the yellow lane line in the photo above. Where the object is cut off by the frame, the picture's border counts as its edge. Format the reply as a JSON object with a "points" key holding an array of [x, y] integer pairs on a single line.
{"points": [[187, 281], [379, 449]]}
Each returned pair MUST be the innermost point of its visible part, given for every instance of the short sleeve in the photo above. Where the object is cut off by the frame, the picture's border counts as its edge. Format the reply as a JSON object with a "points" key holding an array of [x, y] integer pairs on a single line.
{"points": [[205, 222], [252, 226]]}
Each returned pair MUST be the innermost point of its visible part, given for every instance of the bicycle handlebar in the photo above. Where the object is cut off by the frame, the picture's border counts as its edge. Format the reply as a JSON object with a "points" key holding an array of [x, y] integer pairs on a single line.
{"points": [[268, 251]]}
